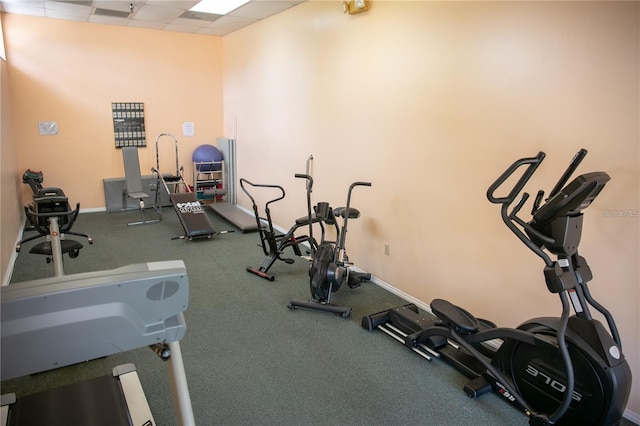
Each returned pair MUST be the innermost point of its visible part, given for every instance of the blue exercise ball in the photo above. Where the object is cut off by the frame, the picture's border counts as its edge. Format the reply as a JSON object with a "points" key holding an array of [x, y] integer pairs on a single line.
{"points": [[206, 154]]}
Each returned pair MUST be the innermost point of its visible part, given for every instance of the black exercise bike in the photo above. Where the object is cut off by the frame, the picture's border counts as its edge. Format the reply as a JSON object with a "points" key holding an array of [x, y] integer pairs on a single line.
{"points": [[330, 265], [52, 217], [568, 370]]}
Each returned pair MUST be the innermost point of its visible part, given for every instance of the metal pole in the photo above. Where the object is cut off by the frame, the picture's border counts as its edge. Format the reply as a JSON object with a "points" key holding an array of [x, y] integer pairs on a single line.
{"points": [[56, 249], [179, 385]]}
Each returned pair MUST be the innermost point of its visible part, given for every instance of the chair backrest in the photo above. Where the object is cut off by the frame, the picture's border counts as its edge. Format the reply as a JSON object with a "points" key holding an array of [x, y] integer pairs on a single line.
{"points": [[132, 169]]}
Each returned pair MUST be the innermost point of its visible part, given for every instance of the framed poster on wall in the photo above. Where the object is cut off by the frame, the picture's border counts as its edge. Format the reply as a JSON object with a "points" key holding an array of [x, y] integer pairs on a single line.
{"points": [[128, 124]]}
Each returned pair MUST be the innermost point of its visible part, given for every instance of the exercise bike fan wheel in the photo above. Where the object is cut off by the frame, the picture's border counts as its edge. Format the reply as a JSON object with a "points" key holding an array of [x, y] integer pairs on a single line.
{"points": [[319, 272]]}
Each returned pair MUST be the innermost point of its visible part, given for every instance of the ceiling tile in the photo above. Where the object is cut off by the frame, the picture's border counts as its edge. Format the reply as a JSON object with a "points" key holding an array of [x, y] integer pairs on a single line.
{"points": [[175, 4], [108, 20], [120, 5], [154, 13], [190, 22], [67, 7], [26, 8], [70, 16], [168, 15], [231, 23], [260, 9]]}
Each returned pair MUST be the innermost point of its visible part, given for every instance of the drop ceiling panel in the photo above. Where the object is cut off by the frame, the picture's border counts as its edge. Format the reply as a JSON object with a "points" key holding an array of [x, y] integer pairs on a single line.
{"points": [[120, 5], [260, 9], [67, 7], [70, 16], [108, 20], [35, 8], [164, 15], [158, 14]]}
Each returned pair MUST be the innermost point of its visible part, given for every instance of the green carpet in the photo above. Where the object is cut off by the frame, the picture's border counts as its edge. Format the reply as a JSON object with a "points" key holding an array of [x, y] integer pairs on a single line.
{"points": [[251, 361]]}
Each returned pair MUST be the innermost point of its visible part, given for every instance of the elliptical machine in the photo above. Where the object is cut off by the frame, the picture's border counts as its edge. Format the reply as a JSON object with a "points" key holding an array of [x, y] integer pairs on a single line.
{"points": [[330, 266], [51, 216], [568, 370]]}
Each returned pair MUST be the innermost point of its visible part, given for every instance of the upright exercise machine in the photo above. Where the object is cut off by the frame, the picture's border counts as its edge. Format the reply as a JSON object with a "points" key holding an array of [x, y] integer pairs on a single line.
{"points": [[52, 218], [330, 265], [194, 219], [568, 370]]}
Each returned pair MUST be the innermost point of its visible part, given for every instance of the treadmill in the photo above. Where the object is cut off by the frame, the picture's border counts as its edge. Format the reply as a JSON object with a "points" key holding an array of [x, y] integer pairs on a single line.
{"points": [[59, 321]]}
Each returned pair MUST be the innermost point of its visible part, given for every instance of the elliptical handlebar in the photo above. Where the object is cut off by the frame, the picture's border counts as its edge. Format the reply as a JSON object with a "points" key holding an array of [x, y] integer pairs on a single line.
{"points": [[532, 163], [562, 201]]}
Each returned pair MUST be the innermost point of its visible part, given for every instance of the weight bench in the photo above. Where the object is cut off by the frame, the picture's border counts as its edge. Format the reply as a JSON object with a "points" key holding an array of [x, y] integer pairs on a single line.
{"points": [[133, 187], [193, 218]]}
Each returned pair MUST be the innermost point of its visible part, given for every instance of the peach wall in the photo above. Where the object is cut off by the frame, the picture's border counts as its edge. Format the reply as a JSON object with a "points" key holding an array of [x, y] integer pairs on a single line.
{"points": [[10, 210], [428, 100], [71, 72], [431, 101]]}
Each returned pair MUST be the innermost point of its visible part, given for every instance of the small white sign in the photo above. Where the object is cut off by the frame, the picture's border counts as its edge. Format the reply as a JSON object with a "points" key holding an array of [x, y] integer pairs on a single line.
{"points": [[188, 129], [48, 127]]}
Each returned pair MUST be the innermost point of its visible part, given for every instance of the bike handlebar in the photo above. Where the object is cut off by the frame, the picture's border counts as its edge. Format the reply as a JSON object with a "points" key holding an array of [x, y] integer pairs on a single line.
{"points": [[244, 181], [360, 184], [307, 177]]}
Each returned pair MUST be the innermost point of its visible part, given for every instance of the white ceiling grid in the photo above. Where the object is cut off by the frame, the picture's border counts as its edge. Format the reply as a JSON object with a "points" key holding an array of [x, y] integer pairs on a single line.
{"points": [[163, 15]]}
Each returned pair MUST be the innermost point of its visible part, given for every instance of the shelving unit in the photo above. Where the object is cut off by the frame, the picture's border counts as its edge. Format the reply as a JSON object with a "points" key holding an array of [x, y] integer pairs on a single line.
{"points": [[209, 180]]}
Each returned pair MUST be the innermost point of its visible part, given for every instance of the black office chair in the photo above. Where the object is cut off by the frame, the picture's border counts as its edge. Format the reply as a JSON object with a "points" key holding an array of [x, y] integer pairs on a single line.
{"points": [[52, 217]]}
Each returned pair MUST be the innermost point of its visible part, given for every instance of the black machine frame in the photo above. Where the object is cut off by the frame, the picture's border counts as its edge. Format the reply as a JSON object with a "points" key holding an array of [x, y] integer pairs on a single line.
{"points": [[330, 265], [52, 218], [275, 243]]}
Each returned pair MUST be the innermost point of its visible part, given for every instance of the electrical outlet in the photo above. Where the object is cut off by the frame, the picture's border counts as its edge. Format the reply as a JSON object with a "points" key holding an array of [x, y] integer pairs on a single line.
{"points": [[386, 249]]}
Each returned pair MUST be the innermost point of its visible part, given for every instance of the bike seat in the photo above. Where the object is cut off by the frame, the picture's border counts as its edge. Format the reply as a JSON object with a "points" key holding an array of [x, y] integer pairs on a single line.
{"points": [[454, 316], [342, 212]]}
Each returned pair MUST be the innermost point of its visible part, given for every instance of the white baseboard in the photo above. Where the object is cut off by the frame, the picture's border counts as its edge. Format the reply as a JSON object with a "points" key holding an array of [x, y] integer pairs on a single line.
{"points": [[632, 416], [380, 283], [12, 261], [93, 210]]}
